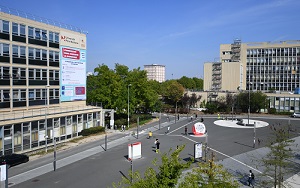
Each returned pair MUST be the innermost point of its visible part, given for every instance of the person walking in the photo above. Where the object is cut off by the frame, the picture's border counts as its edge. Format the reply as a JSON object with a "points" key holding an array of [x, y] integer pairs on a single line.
{"points": [[150, 134], [251, 178], [185, 130], [168, 129], [157, 143]]}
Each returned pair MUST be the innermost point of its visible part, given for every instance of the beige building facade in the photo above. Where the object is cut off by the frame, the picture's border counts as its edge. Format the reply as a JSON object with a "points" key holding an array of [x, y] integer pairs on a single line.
{"points": [[42, 84], [270, 67]]}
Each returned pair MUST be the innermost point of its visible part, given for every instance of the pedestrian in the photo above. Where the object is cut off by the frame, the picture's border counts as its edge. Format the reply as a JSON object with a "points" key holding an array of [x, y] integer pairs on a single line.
{"points": [[251, 178], [258, 140], [178, 116], [202, 120], [157, 143], [168, 129], [150, 135], [219, 116], [185, 130], [196, 115], [168, 118]]}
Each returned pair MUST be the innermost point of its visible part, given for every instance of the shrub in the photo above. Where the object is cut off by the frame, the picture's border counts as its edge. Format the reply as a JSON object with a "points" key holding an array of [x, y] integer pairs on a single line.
{"points": [[92, 130], [272, 110]]}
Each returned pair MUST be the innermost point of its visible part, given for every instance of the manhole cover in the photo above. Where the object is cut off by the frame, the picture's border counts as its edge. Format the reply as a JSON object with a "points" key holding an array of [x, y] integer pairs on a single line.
{"points": [[36, 180]]}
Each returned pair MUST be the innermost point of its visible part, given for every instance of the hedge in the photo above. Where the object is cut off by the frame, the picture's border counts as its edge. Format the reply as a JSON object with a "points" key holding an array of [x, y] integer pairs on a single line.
{"points": [[92, 130]]}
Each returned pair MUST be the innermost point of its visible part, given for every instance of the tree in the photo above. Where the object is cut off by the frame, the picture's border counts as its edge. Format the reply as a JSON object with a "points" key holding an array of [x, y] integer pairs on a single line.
{"points": [[208, 175], [257, 101], [194, 99], [277, 161], [172, 92], [169, 171], [187, 83]]}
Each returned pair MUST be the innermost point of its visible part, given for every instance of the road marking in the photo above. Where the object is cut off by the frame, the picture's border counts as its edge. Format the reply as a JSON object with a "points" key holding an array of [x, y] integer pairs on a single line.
{"points": [[225, 155]]}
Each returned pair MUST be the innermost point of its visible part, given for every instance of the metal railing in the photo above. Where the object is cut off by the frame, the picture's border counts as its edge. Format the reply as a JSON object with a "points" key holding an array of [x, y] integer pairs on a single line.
{"points": [[42, 111], [40, 19]]}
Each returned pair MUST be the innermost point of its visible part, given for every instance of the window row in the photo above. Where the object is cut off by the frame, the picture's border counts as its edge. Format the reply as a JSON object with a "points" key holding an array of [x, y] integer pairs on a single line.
{"points": [[274, 51], [34, 33], [273, 60], [33, 94], [33, 74], [33, 53]]}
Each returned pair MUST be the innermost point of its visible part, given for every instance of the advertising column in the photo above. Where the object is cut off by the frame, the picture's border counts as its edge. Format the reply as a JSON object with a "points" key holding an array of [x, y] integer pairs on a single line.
{"points": [[72, 66]]}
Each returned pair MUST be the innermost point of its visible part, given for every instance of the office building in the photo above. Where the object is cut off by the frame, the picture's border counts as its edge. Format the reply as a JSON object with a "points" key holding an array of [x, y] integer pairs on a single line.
{"points": [[270, 67], [156, 72], [42, 83]]}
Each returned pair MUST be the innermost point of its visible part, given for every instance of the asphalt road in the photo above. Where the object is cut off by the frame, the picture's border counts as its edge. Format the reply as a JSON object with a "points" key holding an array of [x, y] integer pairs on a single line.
{"points": [[90, 166]]}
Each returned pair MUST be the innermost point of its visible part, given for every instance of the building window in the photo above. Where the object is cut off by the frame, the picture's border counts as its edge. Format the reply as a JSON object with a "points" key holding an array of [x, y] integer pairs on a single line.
{"points": [[37, 34], [44, 54], [5, 95], [4, 27], [15, 28], [22, 30], [56, 37], [30, 53], [37, 54], [51, 56], [30, 32], [15, 50], [4, 49], [56, 56], [51, 36], [44, 35], [23, 51]]}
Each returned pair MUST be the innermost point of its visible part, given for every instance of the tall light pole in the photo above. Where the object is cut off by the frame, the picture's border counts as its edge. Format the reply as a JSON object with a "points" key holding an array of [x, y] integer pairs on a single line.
{"points": [[46, 134], [128, 105], [249, 103]]}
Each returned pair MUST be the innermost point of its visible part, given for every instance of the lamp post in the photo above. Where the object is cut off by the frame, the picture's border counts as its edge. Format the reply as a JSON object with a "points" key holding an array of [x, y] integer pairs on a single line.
{"points": [[128, 105], [249, 103], [46, 134]]}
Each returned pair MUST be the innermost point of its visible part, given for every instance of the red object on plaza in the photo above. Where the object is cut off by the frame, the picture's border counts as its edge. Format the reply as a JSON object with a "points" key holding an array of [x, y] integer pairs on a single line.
{"points": [[199, 129]]}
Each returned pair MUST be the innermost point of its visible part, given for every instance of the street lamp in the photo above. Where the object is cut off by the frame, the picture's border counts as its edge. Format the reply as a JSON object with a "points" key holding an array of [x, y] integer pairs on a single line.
{"points": [[46, 134], [128, 105], [249, 103]]}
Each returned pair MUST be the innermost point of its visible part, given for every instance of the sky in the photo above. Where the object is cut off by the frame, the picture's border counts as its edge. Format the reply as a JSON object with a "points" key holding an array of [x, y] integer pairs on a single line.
{"points": [[179, 34]]}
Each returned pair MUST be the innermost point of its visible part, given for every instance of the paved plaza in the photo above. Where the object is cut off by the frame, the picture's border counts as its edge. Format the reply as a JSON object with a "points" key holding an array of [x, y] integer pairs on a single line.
{"points": [[231, 143]]}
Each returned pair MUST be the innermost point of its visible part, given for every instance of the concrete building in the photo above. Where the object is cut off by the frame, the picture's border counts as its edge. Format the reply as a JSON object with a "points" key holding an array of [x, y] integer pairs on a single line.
{"points": [[156, 72], [261, 66], [42, 83]]}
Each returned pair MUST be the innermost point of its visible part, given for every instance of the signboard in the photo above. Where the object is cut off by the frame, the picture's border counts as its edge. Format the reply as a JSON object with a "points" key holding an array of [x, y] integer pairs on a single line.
{"points": [[197, 150], [199, 128], [135, 152], [73, 73]]}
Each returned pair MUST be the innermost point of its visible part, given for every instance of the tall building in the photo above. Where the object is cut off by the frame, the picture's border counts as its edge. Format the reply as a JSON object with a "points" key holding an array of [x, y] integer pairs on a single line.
{"points": [[156, 72], [42, 83], [270, 67], [265, 66]]}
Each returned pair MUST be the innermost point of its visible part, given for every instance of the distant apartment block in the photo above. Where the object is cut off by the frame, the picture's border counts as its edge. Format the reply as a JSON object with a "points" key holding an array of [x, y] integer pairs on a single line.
{"points": [[155, 72]]}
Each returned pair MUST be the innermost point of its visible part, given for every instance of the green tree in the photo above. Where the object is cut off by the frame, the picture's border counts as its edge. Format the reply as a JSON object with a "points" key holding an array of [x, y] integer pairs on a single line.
{"points": [[199, 83], [208, 175], [258, 100], [169, 171], [277, 161], [172, 92], [187, 83]]}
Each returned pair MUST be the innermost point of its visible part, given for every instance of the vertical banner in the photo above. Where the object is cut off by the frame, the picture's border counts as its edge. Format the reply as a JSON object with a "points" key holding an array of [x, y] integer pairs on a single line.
{"points": [[197, 150], [72, 66]]}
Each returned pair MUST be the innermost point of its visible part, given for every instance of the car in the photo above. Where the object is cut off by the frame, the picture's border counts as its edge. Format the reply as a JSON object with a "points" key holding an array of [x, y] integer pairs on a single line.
{"points": [[13, 159], [296, 114]]}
